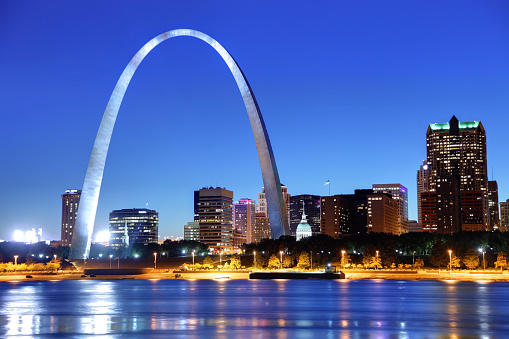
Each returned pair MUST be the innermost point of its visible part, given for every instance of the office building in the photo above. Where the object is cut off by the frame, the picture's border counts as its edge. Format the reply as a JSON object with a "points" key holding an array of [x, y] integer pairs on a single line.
{"points": [[399, 193], [457, 178], [261, 206], [192, 231], [494, 216], [261, 229], [504, 215], [312, 208], [383, 214], [422, 186], [414, 226], [70, 203], [133, 226], [244, 212], [216, 218]]}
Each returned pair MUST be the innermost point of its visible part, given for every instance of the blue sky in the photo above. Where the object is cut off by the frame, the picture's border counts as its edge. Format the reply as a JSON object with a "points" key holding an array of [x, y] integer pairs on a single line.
{"points": [[346, 90]]}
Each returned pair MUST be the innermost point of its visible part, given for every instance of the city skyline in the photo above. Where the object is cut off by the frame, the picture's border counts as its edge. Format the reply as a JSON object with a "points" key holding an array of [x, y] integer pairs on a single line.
{"points": [[348, 100]]}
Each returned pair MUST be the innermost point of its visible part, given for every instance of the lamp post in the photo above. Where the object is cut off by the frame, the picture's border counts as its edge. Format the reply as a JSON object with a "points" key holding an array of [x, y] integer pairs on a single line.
{"points": [[450, 262], [193, 260], [281, 255], [342, 259], [376, 267], [413, 258], [311, 260], [483, 263], [15, 260], [155, 260], [220, 258], [254, 259], [111, 256]]}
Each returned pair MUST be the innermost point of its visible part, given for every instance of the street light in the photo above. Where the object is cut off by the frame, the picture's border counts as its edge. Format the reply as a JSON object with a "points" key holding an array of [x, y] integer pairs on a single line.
{"points": [[220, 258], [155, 260], [342, 259], [15, 260], [193, 260], [413, 258], [450, 262], [111, 256], [376, 267], [281, 255], [483, 262], [254, 259]]}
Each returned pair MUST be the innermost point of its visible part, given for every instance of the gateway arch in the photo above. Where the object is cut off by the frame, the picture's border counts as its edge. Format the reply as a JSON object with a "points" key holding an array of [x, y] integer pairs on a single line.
{"points": [[84, 226]]}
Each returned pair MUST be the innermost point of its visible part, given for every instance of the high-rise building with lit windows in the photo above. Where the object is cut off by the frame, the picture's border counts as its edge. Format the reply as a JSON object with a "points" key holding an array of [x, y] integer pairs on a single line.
{"points": [[133, 225], [244, 218], [422, 186], [457, 179], [216, 218], [261, 206], [493, 205], [504, 215], [399, 193], [70, 203]]}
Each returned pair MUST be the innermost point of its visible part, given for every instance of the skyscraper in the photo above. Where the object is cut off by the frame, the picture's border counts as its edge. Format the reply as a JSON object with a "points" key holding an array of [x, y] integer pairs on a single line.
{"points": [[142, 227], [244, 218], [504, 215], [261, 229], [457, 179], [383, 214], [399, 193], [216, 218], [422, 186], [70, 203], [261, 206], [312, 207], [494, 216]]}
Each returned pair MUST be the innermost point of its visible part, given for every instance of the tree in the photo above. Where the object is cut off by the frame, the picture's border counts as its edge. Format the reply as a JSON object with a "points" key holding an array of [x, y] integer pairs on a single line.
{"points": [[346, 261], [455, 261], [439, 254], [235, 262], [274, 262], [470, 259], [419, 263], [208, 263], [287, 261], [375, 262], [501, 261], [303, 262]]}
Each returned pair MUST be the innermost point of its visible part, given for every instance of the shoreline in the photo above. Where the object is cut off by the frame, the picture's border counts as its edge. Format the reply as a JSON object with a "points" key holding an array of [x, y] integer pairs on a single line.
{"points": [[233, 275]]}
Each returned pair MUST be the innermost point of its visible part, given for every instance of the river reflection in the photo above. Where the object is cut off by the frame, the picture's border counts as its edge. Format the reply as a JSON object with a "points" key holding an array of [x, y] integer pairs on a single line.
{"points": [[245, 308]]}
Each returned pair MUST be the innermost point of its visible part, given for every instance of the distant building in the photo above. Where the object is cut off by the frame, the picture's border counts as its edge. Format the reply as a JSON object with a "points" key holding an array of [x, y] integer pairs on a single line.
{"points": [[456, 156], [70, 203], [216, 218], [312, 206], [335, 213], [383, 214], [261, 229], [399, 193], [244, 218], [494, 216], [192, 231], [261, 206], [422, 186], [504, 215], [142, 227], [414, 227], [303, 229], [196, 205]]}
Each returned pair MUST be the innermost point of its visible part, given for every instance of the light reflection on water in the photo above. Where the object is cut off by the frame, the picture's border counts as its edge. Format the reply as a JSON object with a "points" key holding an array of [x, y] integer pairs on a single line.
{"points": [[245, 308]]}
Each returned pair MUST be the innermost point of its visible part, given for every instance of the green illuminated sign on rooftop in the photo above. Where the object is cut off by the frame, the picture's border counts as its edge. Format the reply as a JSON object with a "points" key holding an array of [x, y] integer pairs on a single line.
{"points": [[462, 125]]}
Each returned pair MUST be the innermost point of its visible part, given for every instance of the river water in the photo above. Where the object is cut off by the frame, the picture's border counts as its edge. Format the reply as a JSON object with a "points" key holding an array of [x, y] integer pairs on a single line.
{"points": [[255, 309]]}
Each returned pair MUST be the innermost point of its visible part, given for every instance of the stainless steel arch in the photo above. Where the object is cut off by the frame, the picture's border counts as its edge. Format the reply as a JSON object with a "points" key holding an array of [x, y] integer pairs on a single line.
{"points": [[82, 234]]}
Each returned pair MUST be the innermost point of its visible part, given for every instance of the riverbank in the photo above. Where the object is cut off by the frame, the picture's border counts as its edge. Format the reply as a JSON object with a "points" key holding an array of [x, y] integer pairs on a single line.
{"points": [[232, 275]]}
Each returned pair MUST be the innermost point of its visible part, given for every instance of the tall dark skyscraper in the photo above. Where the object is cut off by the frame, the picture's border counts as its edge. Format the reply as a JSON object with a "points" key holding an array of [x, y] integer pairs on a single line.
{"points": [[216, 218], [493, 205], [70, 203], [312, 205], [142, 227], [457, 179]]}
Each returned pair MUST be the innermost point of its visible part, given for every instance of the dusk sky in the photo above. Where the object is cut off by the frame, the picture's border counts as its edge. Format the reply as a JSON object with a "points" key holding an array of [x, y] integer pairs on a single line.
{"points": [[346, 88]]}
